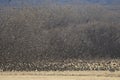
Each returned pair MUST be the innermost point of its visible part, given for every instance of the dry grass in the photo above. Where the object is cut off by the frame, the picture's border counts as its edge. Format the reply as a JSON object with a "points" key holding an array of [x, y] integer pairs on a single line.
{"points": [[67, 75]]}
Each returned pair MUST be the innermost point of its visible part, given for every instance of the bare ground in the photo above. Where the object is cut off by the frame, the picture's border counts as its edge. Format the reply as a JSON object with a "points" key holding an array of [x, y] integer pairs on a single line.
{"points": [[66, 75]]}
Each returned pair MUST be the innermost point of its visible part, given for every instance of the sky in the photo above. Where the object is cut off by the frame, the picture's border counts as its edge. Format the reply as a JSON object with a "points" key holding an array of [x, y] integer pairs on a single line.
{"points": [[34, 2]]}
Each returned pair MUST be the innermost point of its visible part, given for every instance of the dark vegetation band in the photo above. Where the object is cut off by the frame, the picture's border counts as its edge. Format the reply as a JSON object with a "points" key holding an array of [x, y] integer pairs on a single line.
{"points": [[30, 34]]}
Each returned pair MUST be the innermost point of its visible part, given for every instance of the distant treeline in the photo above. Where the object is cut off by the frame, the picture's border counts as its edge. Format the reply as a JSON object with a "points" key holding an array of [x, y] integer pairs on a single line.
{"points": [[29, 34]]}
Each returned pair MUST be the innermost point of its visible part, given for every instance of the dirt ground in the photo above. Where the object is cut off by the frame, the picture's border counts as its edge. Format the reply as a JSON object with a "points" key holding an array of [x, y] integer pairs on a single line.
{"points": [[67, 75]]}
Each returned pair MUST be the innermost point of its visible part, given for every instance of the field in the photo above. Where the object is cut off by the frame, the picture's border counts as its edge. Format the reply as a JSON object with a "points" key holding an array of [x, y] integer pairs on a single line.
{"points": [[66, 75]]}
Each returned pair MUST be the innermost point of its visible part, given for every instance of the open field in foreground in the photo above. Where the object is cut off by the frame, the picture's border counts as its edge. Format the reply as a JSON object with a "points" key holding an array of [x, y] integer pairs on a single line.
{"points": [[67, 75]]}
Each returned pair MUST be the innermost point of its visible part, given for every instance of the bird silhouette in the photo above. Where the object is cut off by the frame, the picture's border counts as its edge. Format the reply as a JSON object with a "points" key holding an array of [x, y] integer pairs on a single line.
{"points": [[9, 1]]}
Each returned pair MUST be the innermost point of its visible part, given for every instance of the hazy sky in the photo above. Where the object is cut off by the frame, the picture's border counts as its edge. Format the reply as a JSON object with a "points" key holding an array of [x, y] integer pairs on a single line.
{"points": [[18, 2]]}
